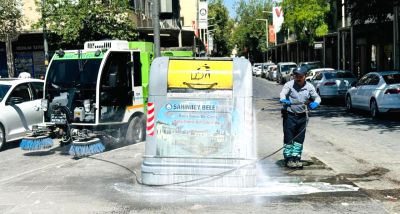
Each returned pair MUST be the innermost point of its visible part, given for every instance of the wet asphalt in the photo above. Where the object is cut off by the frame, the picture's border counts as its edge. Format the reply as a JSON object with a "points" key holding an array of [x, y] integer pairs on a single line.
{"points": [[53, 182]]}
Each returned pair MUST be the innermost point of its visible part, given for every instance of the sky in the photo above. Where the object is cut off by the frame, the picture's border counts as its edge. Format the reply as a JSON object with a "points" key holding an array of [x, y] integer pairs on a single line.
{"points": [[229, 4]]}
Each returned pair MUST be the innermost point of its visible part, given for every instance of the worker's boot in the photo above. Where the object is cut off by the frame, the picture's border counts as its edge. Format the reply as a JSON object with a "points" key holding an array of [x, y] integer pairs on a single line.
{"points": [[291, 163], [296, 153], [297, 163]]}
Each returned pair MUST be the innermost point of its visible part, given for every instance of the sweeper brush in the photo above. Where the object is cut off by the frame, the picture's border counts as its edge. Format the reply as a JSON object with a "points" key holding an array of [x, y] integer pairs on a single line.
{"points": [[39, 142], [86, 148]]}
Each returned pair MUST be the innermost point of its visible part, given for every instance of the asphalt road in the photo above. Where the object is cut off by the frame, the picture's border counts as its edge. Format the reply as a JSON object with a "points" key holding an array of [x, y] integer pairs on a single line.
{"points": [[350, 161]]}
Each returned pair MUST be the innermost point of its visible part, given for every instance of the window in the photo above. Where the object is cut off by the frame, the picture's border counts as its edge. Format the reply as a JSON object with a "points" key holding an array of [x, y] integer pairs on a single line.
{"points": [[363, 80], [3, 91], [21, 91], [392, 79], [37, 90], [318, 76], [137, 69], [115, 87], [373, 80]]}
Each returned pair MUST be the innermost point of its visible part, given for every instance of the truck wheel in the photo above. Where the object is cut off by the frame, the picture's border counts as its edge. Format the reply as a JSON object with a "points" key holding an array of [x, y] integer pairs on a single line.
{"points": [[2, 137], [136, 130]]}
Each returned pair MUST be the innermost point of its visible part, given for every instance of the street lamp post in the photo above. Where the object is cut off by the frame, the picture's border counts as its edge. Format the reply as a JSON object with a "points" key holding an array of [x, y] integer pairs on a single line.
{"points": [[156, 30]]}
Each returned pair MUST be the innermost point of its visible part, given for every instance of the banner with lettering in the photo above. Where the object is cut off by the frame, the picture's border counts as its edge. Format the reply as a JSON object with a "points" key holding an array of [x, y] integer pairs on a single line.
{"points": [[196, 128], [277, 18]]}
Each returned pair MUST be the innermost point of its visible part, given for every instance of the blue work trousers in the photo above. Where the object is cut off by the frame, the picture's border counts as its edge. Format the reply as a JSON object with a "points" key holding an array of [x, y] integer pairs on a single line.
{"points": [[294, 131]]}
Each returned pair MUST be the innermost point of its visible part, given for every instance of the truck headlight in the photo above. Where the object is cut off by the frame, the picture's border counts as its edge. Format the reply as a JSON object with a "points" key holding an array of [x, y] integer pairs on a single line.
{"points": [[43, 104], [86, 105]]}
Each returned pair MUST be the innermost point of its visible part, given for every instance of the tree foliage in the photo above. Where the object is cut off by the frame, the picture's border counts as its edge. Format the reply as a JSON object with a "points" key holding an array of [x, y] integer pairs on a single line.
{"points": [[221, 27], [10, 19], [249, 34], [376, 11], [75, 22], [10, 22], [306, 18]]}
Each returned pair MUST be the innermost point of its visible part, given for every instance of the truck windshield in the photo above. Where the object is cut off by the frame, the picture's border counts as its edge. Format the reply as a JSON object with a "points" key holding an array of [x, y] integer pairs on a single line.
{"points": [[73, 73], [3, 91]]}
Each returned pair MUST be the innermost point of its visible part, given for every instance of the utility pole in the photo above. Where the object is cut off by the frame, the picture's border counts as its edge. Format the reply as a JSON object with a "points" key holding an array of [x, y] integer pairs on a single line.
{"points": [[156, 25]]}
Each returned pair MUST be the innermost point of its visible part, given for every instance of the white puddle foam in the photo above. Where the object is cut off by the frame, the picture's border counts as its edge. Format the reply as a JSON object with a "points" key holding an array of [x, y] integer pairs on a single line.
{"points": [[263, 189]]}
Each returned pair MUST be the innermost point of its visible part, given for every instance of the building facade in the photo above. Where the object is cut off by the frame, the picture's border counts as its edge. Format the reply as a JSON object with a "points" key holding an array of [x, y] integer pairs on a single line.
{"points": [[177, 19]]}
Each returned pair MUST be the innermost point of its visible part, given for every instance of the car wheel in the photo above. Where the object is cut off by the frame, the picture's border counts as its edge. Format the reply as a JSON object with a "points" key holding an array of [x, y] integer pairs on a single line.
{"points": [[349, 105], [136, 130], [2, 137], [374, 109]]}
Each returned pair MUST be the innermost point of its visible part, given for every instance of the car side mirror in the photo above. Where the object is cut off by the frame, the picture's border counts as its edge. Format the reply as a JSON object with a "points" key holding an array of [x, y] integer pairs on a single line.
{"points": [[15, 100]]}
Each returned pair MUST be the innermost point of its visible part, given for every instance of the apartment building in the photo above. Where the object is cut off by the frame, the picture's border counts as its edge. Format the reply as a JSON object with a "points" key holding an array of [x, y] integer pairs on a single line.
{"points": [[177, 22]]}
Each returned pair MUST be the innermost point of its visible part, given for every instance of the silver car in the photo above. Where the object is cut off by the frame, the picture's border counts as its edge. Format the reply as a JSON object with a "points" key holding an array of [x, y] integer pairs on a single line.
{"points": [[265, 68], [272, 69], [283, 72], [333, 84], [20, 101], [311, 73], [377, 92]]}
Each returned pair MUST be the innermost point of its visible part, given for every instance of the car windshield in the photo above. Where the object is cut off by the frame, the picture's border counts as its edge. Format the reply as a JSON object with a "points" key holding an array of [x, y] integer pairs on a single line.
{"points": [[73, 73], [312, 66], [392, 79], [287, 68], [3, 91], [338, 75]]}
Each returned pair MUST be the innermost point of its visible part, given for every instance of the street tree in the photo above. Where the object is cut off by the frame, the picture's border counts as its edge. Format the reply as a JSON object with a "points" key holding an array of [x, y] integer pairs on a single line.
{"points": [[306, 18], [249, 33], [10, 21], [372, 11], [221, 27], [74, 22]]}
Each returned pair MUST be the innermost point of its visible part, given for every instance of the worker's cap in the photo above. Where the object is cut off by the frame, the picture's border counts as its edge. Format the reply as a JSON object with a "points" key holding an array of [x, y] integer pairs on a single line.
{"points": [[300, 71]]}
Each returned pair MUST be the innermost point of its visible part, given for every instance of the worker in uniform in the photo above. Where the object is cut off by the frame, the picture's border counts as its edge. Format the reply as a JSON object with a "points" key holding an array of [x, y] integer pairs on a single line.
{"points": [[297, 95]]}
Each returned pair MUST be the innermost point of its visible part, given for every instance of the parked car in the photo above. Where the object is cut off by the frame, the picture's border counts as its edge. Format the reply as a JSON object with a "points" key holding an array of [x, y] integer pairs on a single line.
{"points": [[20, 101], [257, 69], [311, 73], [377, 92], [272, 70], [333, 84], [265, 68], [310, 65], [283, 70]]}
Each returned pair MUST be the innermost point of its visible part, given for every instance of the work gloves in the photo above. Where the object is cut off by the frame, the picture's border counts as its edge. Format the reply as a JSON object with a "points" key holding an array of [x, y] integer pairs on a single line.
{"points": [[286, 102], [313, 105]]}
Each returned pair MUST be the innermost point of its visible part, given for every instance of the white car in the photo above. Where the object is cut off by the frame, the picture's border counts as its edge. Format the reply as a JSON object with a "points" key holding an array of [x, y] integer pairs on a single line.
{"points": [[377, 92], [20, 101], [283, 71], [311, 73], [265, 68], [333, 84]]}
